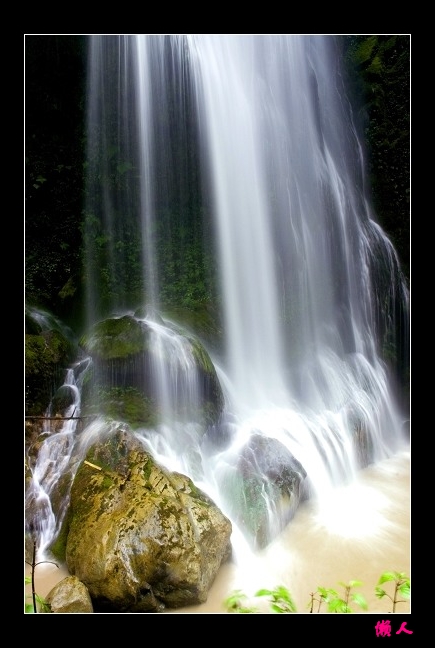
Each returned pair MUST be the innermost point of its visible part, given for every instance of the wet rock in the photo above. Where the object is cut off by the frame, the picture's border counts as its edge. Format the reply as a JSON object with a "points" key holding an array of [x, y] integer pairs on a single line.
{"points": [[127, 355], [263, 489], [70, 595], [140, 537]]}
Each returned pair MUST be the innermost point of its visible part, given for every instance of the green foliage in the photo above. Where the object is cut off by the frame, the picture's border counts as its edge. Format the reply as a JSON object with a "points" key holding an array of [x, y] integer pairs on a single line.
{"points": [[235, 603], [46, 354], [186, 267], [402, 587], [42, 605], [116, 337], [37, 601], [338, 604], [128, 404], [281, 600], [323, 596]]}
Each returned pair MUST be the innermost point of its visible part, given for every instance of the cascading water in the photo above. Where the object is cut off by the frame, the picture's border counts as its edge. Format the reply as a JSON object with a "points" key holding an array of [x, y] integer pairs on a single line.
{"points": [[254, 132], [46, 511], [298, 253]]}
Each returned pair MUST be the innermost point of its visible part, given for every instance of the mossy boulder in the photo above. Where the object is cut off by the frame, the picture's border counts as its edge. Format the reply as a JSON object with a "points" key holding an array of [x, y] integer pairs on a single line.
{"points": [[141, 538], [115, 338], [134, 361]]}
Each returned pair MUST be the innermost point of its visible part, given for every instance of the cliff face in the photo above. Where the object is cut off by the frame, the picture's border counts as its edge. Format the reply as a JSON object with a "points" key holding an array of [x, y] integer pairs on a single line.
{"points": [[378, 78], [379, 81]]}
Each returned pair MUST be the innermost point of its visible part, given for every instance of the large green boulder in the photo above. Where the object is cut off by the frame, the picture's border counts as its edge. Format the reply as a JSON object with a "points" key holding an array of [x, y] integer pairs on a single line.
{"points": [[144, 371], [140, 537]]}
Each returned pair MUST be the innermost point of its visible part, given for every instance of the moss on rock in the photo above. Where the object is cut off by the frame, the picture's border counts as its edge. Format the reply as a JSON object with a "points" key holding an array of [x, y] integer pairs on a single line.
{"points": [[116, 337]]}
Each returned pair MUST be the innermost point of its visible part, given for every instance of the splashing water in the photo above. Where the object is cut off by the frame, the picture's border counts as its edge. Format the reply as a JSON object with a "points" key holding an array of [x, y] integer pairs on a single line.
{"points": [[298, 253], [53, 463]]}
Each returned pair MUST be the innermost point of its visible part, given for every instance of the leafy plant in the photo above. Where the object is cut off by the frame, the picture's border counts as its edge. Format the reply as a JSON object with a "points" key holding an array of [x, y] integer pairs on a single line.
{"points": [[336, 603], [402, 587], [36, 599], [235, 603], [31, 608], [324, 596], [280, 599]]}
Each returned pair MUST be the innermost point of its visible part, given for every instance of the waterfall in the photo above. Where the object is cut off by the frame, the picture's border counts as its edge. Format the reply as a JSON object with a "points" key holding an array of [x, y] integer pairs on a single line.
{"points": [[247, 144], [234, 141], [299, 252], [45, 513]]}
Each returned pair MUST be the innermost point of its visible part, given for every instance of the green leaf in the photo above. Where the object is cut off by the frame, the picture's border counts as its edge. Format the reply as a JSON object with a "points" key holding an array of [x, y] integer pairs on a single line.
{"points": [[387, 577], [277, 608], [405, 590], [242, 610], [335, 605], [338, 605], [327, 594], [44, 606], [235, 598], [281, 600], [283, 593], [360, 600], [234, 603], [380, 593]]}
